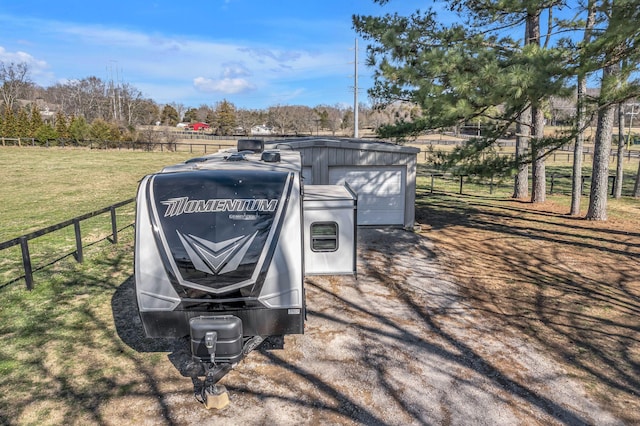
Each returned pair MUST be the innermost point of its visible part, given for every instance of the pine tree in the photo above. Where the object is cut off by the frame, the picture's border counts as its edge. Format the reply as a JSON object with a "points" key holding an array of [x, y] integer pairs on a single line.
{"points": [[191, 115], [10, 129], [224, 118], [61, 127], [581, 115], [23, 124], [169, 116], [615, 52], [35, 121], [79, 129], [469, 72]]}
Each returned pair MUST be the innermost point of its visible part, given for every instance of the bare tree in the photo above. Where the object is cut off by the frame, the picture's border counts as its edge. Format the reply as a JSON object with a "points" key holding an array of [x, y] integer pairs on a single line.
{"points": [[330, 117], [302, 119], [180, 108], [131, 101], [247, 118], [14, 80], [279, 118]]}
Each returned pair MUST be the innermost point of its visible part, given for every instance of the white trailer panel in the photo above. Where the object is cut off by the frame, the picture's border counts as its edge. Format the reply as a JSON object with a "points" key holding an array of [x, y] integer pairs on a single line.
{"points": [[329, 213]]}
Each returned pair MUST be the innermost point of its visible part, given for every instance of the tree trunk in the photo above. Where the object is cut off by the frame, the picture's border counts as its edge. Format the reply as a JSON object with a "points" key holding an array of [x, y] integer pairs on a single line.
{"points": [[539, 181], [636, 187], [617, 190], [521, 184], [601, 151], [576, 183], [538, 184]]}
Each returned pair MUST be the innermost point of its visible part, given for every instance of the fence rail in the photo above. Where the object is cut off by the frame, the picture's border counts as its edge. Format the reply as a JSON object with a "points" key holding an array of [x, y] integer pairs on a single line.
{"points": [[23, 241], [459, 181], [558, 155]]}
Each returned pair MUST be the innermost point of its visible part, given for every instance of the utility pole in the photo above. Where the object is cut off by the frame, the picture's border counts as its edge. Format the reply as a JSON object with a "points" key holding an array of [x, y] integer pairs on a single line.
{"points": [[355, 92]]}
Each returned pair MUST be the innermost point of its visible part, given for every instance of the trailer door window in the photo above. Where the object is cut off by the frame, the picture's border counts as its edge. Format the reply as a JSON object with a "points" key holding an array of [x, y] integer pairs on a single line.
{"points": [[324, 236]]}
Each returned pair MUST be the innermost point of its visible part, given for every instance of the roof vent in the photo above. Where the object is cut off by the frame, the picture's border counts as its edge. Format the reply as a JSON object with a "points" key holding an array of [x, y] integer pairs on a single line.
{"points": [[254, 145], [196, 160], [270, 157], [236, 156]]}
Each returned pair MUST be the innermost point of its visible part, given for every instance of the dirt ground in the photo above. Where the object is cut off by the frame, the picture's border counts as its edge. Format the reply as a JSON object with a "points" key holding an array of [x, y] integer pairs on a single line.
{"points": [[398, 345]]}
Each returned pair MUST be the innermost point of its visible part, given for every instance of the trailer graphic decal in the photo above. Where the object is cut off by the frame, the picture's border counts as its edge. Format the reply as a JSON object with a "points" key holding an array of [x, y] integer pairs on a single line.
{"points": [[216, 258], [180, 205], [217, 228]]}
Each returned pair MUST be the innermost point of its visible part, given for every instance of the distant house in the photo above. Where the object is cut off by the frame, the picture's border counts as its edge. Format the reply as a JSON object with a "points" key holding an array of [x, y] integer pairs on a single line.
{"points": [[261, 129], [182, 125], [199, 126]]}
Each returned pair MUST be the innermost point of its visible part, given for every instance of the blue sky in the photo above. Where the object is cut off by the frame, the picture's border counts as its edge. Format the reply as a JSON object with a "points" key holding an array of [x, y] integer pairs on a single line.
{"points": [[253, 53]]}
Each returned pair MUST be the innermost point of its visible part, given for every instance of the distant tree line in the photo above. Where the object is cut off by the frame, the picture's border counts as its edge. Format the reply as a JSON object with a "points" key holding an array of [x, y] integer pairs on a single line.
{"points": [[91, 108]]}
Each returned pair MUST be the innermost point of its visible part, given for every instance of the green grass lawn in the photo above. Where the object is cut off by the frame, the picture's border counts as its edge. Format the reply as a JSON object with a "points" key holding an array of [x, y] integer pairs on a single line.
{"points": [[61, 358], [42, 187]]}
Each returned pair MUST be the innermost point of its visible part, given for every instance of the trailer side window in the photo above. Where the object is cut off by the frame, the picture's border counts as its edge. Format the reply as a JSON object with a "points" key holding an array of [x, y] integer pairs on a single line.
{"points": [[324, 236]]}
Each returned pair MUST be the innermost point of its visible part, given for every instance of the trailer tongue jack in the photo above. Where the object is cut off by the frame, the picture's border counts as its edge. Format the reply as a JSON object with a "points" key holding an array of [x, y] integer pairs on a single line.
{"points": [[213, 395]]}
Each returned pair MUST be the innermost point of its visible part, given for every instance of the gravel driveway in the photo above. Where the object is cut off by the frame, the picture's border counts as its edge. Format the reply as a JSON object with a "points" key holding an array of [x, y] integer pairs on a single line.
{"points": [[397, 345]]}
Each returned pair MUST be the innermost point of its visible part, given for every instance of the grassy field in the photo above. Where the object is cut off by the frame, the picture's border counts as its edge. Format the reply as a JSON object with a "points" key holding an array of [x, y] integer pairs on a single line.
{"points": [[569, 286]]}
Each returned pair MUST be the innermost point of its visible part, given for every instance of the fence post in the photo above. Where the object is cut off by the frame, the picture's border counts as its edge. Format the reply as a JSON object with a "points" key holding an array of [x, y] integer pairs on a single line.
{"points": [[432, 177], [491, 186], [79, 254], [613, 185], [114, 225], [553, 178], [26, 263]]}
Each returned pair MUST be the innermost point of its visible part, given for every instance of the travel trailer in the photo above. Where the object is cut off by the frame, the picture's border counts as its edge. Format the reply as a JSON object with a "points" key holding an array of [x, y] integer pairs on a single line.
{"points": [[223, 243]]}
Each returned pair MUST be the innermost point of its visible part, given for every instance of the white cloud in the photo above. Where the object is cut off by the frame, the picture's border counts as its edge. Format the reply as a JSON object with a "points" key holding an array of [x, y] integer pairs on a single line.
{"points": [[38, 69], [234, 70], [227, 86], [187, 67], [22, 57]]}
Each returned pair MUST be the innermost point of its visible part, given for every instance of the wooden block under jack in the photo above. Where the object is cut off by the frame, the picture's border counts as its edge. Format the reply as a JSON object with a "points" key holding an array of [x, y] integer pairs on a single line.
{"points": [[216, 398]]}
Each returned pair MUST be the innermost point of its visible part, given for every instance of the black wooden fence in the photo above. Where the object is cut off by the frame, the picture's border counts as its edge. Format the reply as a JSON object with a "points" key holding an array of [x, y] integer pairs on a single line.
{"points": [[23, 241], [449, 180]]}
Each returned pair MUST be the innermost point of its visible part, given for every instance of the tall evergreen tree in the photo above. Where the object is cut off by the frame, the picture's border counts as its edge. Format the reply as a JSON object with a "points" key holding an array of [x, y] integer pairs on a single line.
{"points": [[169, 116], [615, 51], [23, 125], [79, 129], [581, 113], [224, 118], [35, 121], [191, 115], [466, 72], [9, 124], [61, 128]]}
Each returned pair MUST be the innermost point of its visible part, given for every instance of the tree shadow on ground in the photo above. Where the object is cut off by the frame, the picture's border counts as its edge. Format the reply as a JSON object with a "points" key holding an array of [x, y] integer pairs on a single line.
{"points": [[571, 286]]}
